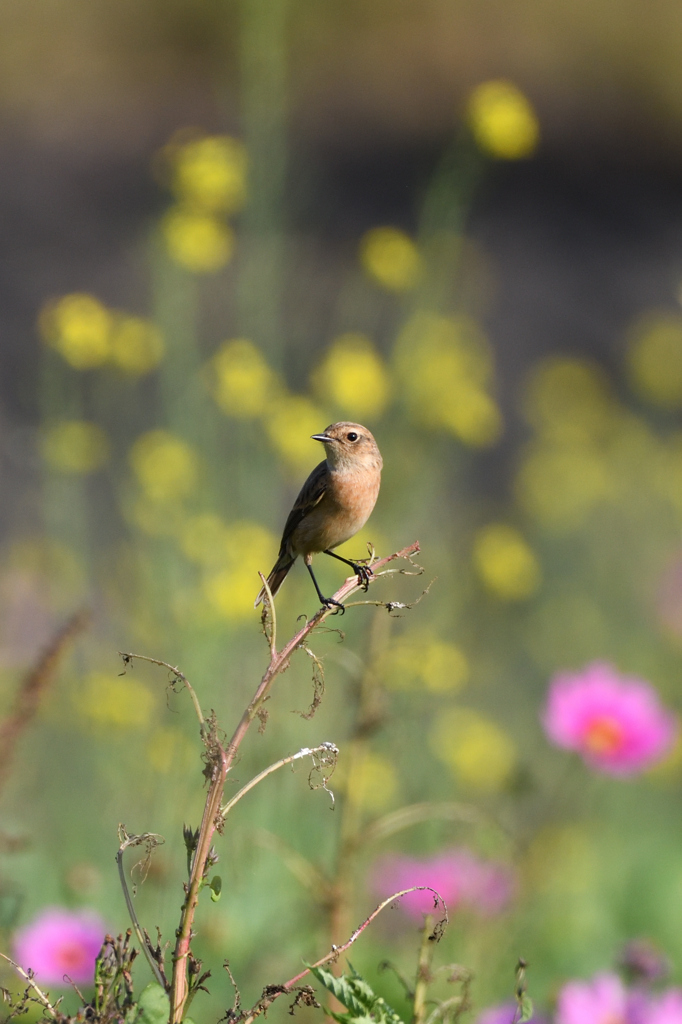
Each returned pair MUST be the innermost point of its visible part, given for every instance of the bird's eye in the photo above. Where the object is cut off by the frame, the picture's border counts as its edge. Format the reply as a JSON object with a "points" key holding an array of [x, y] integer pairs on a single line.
{"points": [[352, 436]]}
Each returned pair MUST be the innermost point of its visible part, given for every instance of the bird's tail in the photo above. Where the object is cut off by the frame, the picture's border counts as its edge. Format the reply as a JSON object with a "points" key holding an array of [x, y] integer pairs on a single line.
{"points": [[277, 576]]}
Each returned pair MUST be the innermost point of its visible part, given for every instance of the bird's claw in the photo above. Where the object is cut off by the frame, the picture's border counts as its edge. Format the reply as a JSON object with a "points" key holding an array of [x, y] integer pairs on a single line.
{"points": [[329, 602], [364, 575]]}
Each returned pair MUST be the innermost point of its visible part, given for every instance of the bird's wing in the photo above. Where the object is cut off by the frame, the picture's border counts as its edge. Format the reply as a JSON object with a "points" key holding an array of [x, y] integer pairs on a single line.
{"points": [[311, 494]]}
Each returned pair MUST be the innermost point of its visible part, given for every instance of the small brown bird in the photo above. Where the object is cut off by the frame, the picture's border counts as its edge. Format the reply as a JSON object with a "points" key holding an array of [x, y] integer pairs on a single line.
{"points": [[335, 502]]}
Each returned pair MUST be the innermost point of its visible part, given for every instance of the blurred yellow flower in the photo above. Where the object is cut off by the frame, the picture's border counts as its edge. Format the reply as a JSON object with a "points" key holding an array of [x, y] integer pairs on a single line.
{"points": [[75, 446], [444, 365], [109, 700], [505, 563], [353, 377], [391, 258], [655, 359], [205, 538], [240, 379], [246, 549], [570, 401], [371, 783], [166, 467], [169, 749], [502, 120], [561, 859], [197, 241], [210, 174], [419, 660], [79, 327], [559, 487], [290, 422], [136, 345], [479, 751]]}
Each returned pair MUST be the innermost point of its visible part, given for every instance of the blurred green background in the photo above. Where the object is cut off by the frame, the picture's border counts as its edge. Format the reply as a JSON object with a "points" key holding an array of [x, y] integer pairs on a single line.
{"points": [[228, 225]]}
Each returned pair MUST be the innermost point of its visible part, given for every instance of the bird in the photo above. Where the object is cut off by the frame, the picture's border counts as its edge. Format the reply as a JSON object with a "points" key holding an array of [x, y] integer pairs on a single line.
{"points": [[334, 503]]}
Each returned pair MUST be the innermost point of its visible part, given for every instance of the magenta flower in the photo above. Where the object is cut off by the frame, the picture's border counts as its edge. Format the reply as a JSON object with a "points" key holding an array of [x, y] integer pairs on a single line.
{"points": [[60, 944], [616, 723], [604, 1000], [666, 1008], [458, 876], [505, 1013]]}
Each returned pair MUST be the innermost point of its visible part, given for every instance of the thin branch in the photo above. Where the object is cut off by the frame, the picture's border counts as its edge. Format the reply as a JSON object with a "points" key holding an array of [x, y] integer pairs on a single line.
{"points": [[271, 606], [42, 998], [127, 841], [414, 814], [221, 759], [328, 750], [177, 675], [32, 688], [273, 991], [392, 606]]}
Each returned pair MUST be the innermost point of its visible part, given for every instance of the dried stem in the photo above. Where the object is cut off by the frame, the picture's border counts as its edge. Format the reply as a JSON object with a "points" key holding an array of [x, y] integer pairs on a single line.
{"points": [[221, 758], [423, 973], [126, 841], [40, 995], [273, 991], [327, 751], [178, 676], [33, 687]]}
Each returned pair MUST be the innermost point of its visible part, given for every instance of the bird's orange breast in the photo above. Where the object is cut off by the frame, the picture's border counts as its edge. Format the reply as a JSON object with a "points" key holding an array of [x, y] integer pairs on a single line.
{"points": [[345, 508]]}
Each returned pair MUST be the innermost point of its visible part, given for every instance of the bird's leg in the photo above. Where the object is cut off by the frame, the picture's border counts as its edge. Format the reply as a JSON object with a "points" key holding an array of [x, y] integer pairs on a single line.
{"points": [[328, 602], [363, 572]]}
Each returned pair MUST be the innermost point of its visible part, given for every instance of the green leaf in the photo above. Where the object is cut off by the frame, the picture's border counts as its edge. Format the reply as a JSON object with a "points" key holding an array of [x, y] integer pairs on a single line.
{"points": [[216, 885], [153, 1006], [526, 1006], [357, 995]]}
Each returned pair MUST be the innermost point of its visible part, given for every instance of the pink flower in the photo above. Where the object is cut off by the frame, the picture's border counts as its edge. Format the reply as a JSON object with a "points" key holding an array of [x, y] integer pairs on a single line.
{"points": [[604, 1000], [458, 876], [615, 722], [505, 1013], [666, 1008], [60, 943]]}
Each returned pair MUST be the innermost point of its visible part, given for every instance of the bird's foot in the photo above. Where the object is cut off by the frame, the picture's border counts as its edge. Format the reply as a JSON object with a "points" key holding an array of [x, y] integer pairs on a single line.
{"points": [[329, 602], [363, 573]]}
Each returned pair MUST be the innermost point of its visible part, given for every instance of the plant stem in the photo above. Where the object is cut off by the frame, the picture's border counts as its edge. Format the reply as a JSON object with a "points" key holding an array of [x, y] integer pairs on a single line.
{"points": [[423, 972], [222, 758]]}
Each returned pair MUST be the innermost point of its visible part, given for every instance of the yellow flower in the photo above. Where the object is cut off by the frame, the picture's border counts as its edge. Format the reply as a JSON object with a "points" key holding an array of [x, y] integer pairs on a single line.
{"points": [[79, 327], [197, 241], [75, 446], [445, 366], [417, 659], [655, 360], [240, 379], [559, 487], [246, 549], [479, 752], [569, 401], [205, 538], [210, 174], [114, 701], [561, 859], [505, 563], [502, 120], [353, 377], [166, 467], [169, 749], [290, 422], [371, 782], [391, 258], [136, 345]]}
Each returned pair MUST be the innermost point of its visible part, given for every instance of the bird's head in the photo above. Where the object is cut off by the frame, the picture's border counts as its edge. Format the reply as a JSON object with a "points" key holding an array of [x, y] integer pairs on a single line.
{"points": [[349, 446]]}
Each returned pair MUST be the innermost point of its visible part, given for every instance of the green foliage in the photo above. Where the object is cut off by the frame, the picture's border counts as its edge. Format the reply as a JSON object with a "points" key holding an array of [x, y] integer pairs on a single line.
{"points": [[357, 996]]}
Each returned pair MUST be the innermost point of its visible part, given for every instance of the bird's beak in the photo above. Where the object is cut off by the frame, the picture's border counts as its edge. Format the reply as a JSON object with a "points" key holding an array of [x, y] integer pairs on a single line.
{"points": [[322, 437]]}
